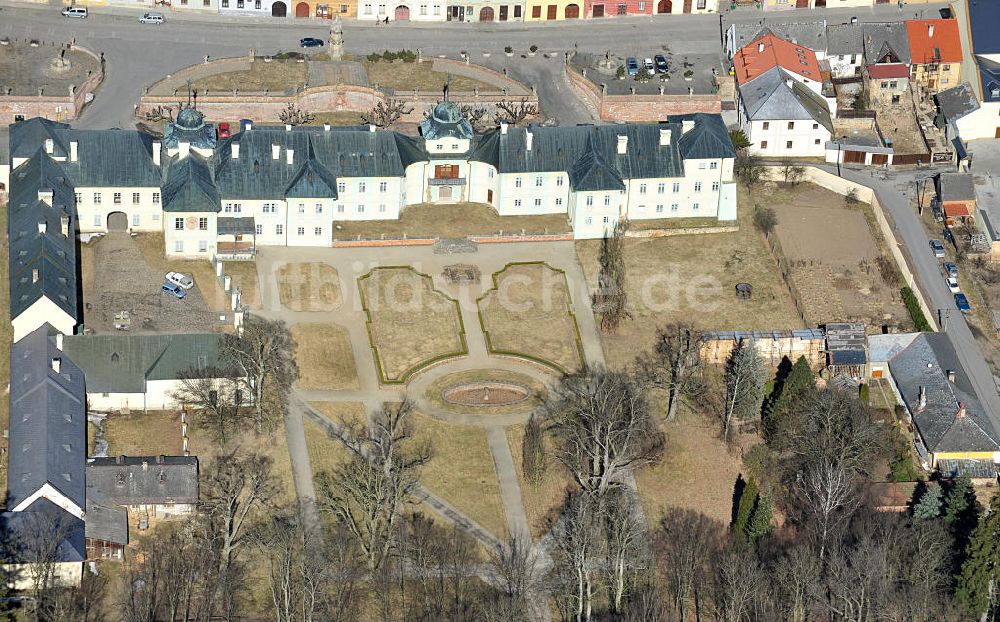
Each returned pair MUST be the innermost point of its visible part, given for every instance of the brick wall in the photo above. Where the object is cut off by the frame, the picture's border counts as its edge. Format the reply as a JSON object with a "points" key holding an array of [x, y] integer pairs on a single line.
{"points": [[639, 108], [57, 107]]}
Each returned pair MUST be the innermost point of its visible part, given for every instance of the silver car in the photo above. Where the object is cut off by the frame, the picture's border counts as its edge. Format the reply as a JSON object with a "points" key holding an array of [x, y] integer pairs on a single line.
{"points": [[151, 18]]}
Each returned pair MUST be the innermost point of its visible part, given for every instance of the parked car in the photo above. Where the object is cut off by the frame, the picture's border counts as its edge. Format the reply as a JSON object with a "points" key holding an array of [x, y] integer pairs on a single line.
{"points": [[661, 63], [631, 65], [962, 303], [938, 248], [174, 290], [181, 280], [953, 285], [151, 18], [951, 269], [223, 130], [75, 11], [948, 237], [648, 64], [310, 42]]}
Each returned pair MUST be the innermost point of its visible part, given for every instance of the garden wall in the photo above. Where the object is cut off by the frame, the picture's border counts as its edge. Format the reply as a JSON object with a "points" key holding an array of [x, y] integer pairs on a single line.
{"points": [[639, 108], [56, 107]]}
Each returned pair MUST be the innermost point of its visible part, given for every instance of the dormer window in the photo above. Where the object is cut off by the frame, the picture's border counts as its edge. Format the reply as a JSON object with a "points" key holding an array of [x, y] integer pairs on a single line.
{"points": [[114, 357]]}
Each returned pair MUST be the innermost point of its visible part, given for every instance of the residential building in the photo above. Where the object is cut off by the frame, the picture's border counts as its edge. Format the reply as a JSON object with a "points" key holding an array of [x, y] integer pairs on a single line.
{"points": [[616, 8], [782, 117], [142, 372], [147, 486], [886, 68], [106, 529], [949, 423], [812, 35], [956, 193], [536, 10], [935, 53], [287, 186], [984, 121], [769, 51], [680, 7], [845, 50], [485, 11], [958, 114], [403, 10]]}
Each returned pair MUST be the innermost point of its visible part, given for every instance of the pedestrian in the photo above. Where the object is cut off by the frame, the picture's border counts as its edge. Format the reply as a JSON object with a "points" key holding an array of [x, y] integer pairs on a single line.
{"points": [[386, 20]]}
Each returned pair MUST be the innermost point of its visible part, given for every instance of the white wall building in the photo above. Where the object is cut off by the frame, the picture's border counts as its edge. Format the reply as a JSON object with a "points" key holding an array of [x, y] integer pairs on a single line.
{"points": [[782, 117]]}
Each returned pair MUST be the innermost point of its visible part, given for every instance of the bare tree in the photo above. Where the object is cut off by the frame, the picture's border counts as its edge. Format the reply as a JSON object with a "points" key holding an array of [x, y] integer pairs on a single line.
{"points": [[386, 112], [793, 174], [827, 495], [835, 426], [514, 571], [765, 219], [576, 557], [366, 494], [625, 545], [749, 169], [602, 427], [478, 117], [514, 112], [673, 364], [216, 400], [796, 578], [293, 115], [265, 353], [744, 385], [686, 544], [611, 298], [739, 584]]}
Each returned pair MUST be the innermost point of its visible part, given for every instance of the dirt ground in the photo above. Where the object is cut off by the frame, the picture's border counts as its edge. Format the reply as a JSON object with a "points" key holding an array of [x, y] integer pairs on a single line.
{"points": [[117, 278], [528, 312], [433, 393], [456, 220], [411, 322], [693, 277], [273, 76], [26, 69], [324, 356], [834, 256], [309, 287], [419, 77]]}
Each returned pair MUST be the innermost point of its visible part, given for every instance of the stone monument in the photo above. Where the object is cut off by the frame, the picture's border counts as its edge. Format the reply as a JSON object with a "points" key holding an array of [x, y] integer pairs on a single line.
{"points": [[337, 39]]}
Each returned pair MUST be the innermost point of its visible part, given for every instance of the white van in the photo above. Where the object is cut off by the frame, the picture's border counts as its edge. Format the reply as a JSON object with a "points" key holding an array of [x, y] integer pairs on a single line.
{"points": [[75, 11], [151, 18]]}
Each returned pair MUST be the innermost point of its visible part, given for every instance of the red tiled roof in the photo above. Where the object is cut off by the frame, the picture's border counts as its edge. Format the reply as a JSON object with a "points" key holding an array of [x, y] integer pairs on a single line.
{"points": [[934, 40], [753, 59], [890, 70], [956, 210]]}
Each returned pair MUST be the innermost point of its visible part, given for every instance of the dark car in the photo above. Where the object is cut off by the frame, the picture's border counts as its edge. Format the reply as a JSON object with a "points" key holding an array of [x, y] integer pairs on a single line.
{"points": [[310, 42], [962, 303], [223, 130], [661, 63], [172, 289], [631, 65], [951, 269]]}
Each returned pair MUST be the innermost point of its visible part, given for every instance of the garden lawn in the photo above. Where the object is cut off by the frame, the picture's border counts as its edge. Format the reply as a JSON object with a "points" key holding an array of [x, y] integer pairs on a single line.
{"points": [[434, 398], [324, 356], [275, 76], [455, 220], [154, 433], [528, 314], [309, 287], [411, 324], [420, 77]]}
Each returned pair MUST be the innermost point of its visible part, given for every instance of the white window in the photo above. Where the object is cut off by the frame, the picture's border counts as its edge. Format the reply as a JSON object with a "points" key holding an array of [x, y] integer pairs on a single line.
{"points": [[259, 229], [265, 208], [437, 10], [279, 229], [381, 208], [361, 186], [517, 182], [559, 180], [697, 186], [203, 224], [318, 231], [178, 224], [97, 198], [642, 6], [237, 208], [341, 187], [383, 186], [659, 209], [677, 187], [489, 173], [319, 208], [156, 198], [361, 209], [97, 220], [340, 209], [661, 187], [117, 198], [301, 231], [642, 188], [590, 200], [589, 220], [538, 181], [135, 220], [607, 200], [695, 207], [302, 208], [178, 246], [135, 198], [701, 166], [538, 202], [227, 208], [440, 147], [202, 246], [156, 218], [423, 9], [715, 186], [368, 9], [713, 165], [78, 197], [517, 202]]}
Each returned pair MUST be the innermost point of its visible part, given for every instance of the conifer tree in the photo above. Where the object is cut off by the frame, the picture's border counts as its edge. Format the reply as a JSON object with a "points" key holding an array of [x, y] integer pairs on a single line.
{"points": [[928, 507], [979, 582]]}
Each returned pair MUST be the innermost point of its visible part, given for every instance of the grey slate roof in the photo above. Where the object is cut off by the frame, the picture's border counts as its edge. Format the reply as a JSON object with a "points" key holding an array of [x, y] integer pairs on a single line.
{"points": [[956, 187], [229, 225], [561, 148], [312, 180], [769, 97], [956, 102], [123, 363], [36, 242], [984, 16], [844, 39], [189, 186], [921, 360], [29, 135], [886, 38], [446, 121], [591, 172], [189, 127], [106, 520], [48, 421], [139, 480], [44, 520], [811, 35]]}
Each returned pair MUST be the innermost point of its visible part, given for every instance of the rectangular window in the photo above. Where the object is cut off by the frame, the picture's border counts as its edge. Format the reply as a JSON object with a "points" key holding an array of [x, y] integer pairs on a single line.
{"points": [[559, 201], [343, 8], [97, 198], [258, 229], [517, 10], [589, 220], [659, 209], [946, 67], [319, 208], [178, 246], [368, 9], [642, 6], [538, 181], [156, 198], [559, 181], [517, 182], [135, 220], [225, 4], [816, 142], [178, 224], [78, 197], [279, 229], [361, 186], [239, 4], [361, 209], [788, 144], [536, 12], [763, 144], [642, 188], [301, 231], [715, 186], [203, 224], [815, 126], [135, 198], [607, 219], [695, 207], [118, 198], [674, 207], [341, 187], [302, 208], [202, 246], [538, 202], [767, 125], [713, 165], [381, 208], [607, 200], [423, 9], [227, 208], [697, 186], [517, 202], [318, 231], [156, 218], [701, 5], [677, 187], [340, 209], [661, 188], [256, 4], [791, 125], [623, 9], [701, 166], [590, 200], [383, 186], [97, 220]]}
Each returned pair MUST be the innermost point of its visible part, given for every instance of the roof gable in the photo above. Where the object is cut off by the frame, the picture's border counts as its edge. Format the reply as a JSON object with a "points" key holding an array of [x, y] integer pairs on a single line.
{"points": [[769, 51], [312, 180], [190, 186], [591, 172], [934, 40]]}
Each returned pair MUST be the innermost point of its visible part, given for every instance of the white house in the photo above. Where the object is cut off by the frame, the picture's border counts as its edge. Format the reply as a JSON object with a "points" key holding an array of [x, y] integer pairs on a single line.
{"points": [[403, 10], [782, 117]]}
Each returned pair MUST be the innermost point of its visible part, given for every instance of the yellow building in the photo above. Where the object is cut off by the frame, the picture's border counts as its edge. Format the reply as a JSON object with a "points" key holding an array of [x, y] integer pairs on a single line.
{"points": [[541, 10], [935, 53]]}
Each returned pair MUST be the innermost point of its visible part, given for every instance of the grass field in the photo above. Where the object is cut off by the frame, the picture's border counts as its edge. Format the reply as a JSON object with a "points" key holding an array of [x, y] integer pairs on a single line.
{"points": [[528, 313], [433, 394], [420, 77], [694, 277], [542, 501], [461, 471], [275, 76], [6, 335], [244, 275], [309, 287], [455, 220], [324, 356], [155, 433], [343, 117], [411, 323]]}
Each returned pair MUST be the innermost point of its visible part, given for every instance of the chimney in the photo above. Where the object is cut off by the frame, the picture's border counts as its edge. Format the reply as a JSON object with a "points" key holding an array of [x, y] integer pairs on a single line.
{"points": [[665, 137], [289, 156], [157, 146], [59, 341], [922, 398], [34, 275], [50, 146], [961, 411], [930, 30], [371, 128], [951, 375], [247, 126], [236, 150], [788, 83], [760, 47], [64, 225], [622, 145], [326, 127], [45, 195], [288, 127], [183, 150], [43, 227], [275, 151], [73, 153], [854, 20], [503, 127], [56, 364], [686, 126], [529, 139], [145, 465]]}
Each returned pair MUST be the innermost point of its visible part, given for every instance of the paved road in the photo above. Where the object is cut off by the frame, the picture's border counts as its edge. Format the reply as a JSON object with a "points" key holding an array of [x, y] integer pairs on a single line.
{"points": [[139, 54]]}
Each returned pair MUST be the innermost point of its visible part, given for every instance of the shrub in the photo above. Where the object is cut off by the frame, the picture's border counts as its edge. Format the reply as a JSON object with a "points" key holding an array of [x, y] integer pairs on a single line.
{"points": [[408, 56], [533, 48], [620, 73], [916, 314], [688, 74], [508, 50], [863, 393], [374, 57], [389, 56]]}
